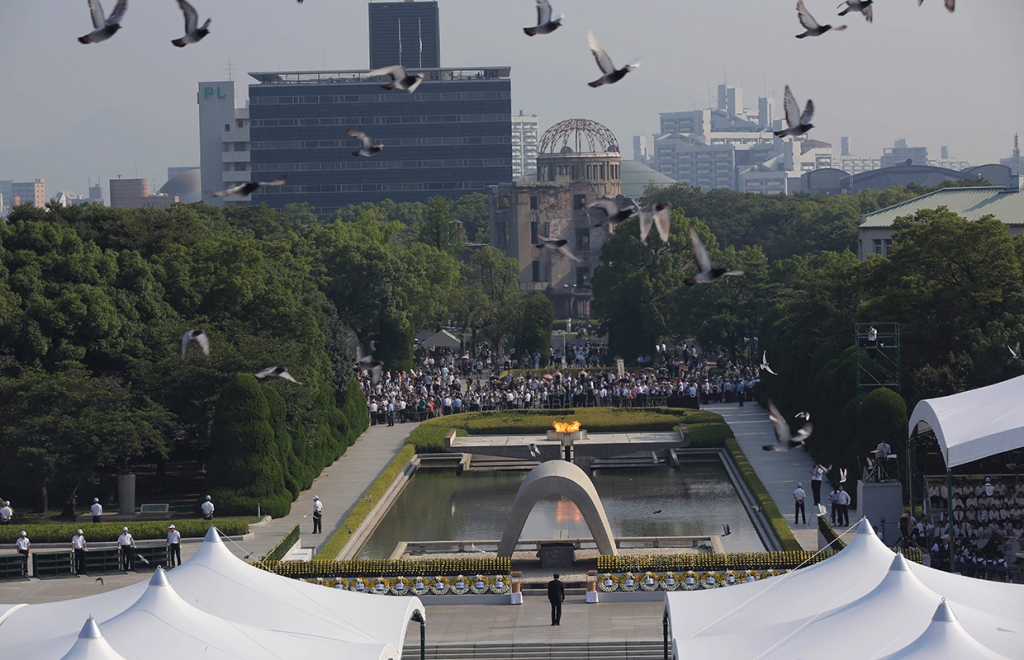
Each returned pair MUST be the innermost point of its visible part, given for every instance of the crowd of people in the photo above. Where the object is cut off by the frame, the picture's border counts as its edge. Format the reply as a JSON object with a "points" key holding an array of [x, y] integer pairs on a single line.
{"points": [[446, 383]]}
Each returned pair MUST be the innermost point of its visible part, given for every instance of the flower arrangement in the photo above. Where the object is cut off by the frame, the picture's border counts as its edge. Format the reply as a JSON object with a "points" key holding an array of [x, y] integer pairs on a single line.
{"points": [[381, 585], [342, 581], [501, 585], [751, 576], [628, 582], [420, 586], [710, 580], [650, 581], [691, 581], [731, 577], [358, 584], [480, 584], [607, 583], [400, 586], [460, 585], [669, 581], [440, 586]]}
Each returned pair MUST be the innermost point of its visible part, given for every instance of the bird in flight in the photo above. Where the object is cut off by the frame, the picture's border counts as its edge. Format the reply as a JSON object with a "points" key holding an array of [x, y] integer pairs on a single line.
{"points": [[811, 25], [1014, 352], [105, 26], [708, 273], [785, 440], [557, 245], [198, 336], [756, 509], [249, 187], [616, 210], [863, 6], [193, 33], [950, 5], [656, 215], [764, 364], [100, 580], [842, 475], [400, 78], [803, 414], [545, 25], [368, 148], [797, 124], [656, 511], [534, 452], [280, 372], [371, 364], [611, 74], [726, 531]]}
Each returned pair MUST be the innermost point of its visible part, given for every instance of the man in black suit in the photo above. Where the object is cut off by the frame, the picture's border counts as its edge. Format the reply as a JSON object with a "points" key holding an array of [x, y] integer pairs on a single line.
{"points": [[556, 594]]}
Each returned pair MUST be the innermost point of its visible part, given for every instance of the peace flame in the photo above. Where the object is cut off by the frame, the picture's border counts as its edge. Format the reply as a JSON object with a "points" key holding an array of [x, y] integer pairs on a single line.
{"points": [[566, 427]]}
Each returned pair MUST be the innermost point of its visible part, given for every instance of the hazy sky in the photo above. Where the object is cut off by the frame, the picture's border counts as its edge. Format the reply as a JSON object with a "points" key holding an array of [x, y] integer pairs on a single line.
{"points": [[69, 111]]}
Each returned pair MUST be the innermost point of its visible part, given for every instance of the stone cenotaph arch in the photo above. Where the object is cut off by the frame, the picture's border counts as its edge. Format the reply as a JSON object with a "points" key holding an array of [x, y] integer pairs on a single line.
{"points": [[558, 478]]}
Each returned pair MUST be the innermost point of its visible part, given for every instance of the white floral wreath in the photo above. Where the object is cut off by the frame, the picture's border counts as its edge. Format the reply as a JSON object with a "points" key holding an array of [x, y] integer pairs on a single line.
{"points": [[480, 584], [691, 581], [501, 585], [628, 582], [419, 586], [608, 583], [649, 581], [710, 580], [381, 585], [456, 589], [670, 581], [358, 584], [400, 586], [440, 586]]}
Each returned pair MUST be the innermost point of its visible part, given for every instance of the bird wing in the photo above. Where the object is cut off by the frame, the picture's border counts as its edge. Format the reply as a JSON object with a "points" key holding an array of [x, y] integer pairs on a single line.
{"points": [[603, 61], [663, 221], [1012, 352], [287, 376], [191, 16], [279, 181], [842, 475], [203, 340], [363, 138], [803, 433], [543, 12], [791, 108], [779, 425], [700, 253], [808, 113], [805, 17], [185, 339], [118, 13], [397, 72], [609, 206], [96, 12], [646, 222], [263, 373], [869, 14], [950, 5], [564, 251]]}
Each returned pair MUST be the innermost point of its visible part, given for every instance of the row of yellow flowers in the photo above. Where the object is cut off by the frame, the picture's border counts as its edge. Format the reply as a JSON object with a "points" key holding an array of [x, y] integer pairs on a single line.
{"points": [[734, 561], [388, 567], [420, 585]]}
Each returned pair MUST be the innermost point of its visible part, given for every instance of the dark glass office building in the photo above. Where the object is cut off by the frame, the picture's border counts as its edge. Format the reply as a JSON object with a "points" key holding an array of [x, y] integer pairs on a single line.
{"points": [[451, 137], [405, 33]]}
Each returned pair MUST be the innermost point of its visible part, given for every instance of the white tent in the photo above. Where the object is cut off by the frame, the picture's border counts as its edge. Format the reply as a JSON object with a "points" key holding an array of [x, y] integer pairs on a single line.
{"points": [[90, 645], [864, 602], [443, 339], [216, 604], [944, 639], [974, 424]]}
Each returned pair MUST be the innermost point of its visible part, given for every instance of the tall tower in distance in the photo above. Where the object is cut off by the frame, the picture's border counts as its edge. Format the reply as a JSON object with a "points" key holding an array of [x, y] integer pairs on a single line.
{"points": [[406, 33]]}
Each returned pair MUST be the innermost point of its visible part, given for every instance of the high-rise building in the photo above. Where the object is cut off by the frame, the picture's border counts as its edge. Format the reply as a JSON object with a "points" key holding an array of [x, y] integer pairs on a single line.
{"points": [[524, 147], [900, 153], [96, 193], [1013, 162], [223, 140], [642, 149], [406, 33], [134, 194], [32, 192]]}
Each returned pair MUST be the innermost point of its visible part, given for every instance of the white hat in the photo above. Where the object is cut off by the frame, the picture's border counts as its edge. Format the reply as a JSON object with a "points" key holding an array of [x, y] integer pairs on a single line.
{"points": [[7, 503], [95, 499], [170, 527], [316, 497], [207, 498], [79, 532], [987, 480], [24, 533], [799, 484], [124, 529]]}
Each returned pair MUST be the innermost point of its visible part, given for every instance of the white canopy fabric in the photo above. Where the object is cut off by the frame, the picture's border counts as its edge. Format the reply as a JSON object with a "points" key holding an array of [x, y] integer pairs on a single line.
{"points": [[216, 605], [944, 639], [90, 645], [864, 602], [974, 424], [443, 339]]}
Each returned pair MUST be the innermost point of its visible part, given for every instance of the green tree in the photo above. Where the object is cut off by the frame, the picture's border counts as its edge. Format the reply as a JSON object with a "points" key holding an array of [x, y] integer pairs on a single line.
{"points": [[439, 227], [473, 212], [534, 332]]}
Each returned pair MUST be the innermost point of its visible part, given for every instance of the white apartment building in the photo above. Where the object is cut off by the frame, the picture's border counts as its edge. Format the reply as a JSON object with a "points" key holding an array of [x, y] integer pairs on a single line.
{"points": [[224, 158], [524, 147]]}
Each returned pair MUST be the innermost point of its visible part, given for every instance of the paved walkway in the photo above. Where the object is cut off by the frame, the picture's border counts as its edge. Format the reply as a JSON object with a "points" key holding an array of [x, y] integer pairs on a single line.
{"points": [[779, 471]]}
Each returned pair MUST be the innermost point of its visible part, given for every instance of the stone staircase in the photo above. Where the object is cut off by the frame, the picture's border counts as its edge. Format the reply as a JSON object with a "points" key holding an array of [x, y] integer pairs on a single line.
{"points": [[484, 463], [611, 650]]}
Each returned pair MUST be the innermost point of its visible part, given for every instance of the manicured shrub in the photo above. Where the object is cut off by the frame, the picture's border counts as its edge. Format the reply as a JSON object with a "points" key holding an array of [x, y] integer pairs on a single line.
{"points": [[109, 531], [293, 468]]}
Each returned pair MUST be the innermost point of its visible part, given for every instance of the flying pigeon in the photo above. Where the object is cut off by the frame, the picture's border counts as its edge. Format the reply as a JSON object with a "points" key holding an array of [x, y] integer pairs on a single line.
{"points": [[707, 273], [803, 414], [369, 148], [726, 531], [798, 124], [764, 364], [611, 74], [786, 440], [249, 187], [842, 475], [806, 20], [193, 33], [369, 363], [200, 337], [545, 25], [863, 6], [1014, 353], [105, 27], [400, 79], [555, 244], [756, 509], [534, 452], [616, 210], [100, 580], [658, 216], [822, 510], [656, 511], [950, 5], [280, 372]]}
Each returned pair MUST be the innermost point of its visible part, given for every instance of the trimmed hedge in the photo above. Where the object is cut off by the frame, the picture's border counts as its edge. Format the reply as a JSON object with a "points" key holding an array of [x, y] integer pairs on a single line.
{"points": [[341, 535], [279, 551], [770, 510], [109, 531], [388, 567]]}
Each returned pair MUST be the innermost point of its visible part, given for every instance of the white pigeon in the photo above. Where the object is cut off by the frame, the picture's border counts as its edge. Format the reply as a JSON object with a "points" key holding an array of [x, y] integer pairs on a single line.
{"points": [[803, 414], [280, 372], [708, 273], [785, 440], [611, 74], [400, 78], [797, 123], [811, 25], [371, 364], [950, 5], [198, 336], [842, 475], [545, 25], [534, 452], [863, 6], [105, 26], [1014, 353], [193, 33], [655, 215], [557, 245], [368, 147], [249, 187], [764, 364], [616, 210]]}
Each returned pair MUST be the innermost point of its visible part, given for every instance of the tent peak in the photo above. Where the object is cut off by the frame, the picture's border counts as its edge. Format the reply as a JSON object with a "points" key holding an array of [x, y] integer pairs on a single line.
{"points": [[91, 630], [944, 613], [899, 563], [212, 535], [159, 578], [864, 527]]}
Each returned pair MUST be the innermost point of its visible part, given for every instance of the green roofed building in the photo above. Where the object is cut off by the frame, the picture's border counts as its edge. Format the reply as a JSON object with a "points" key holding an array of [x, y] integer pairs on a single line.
{"points": [[1005, 203]]}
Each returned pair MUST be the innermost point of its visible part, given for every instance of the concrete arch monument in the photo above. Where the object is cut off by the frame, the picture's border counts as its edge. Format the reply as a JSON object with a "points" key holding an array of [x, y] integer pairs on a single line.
{"points": [[558, 478]]}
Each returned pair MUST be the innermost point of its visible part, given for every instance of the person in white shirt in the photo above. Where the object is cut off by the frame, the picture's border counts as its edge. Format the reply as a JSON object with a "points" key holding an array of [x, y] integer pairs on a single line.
{"points": [[22, 545], [318, 514], [79, 546], [988, 487], [126, 544], [174, 546], [207, 509], [6, 513], [97, 510], [817, 472], [843, 500], [798, 497]]}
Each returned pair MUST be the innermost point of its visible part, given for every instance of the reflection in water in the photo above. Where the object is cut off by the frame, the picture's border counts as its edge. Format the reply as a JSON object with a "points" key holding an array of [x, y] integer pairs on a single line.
{"points": [[695, 500]]}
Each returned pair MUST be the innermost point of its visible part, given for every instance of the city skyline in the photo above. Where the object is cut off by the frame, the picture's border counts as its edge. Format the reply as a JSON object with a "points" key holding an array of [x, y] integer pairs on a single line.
{"points": [[75, 112]]}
